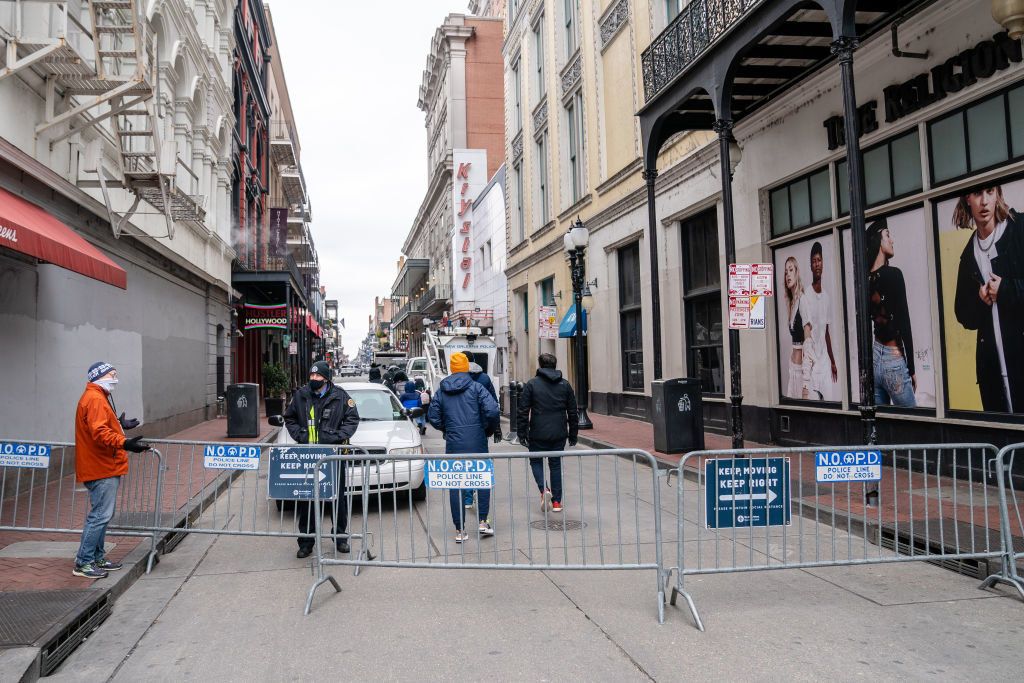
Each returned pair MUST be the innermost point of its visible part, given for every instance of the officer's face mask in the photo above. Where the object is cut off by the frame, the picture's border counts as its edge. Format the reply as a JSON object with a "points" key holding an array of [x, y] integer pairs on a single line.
{"points": [[108, 383], [316, 385]]}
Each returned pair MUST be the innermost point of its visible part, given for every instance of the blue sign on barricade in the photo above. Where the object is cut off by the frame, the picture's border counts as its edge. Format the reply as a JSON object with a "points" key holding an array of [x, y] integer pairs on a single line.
{"points": [[292, 471], [747, 492], [460, 474], [24, 455], [222, 457], [845, 466]]}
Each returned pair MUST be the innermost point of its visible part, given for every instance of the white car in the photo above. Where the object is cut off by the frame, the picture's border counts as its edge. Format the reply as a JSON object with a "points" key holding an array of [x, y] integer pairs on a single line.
{"points": [[384, 428]]}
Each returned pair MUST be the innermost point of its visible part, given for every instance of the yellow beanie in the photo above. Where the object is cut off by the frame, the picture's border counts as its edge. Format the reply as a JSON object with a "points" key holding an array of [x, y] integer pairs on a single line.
{"points": [[458, 363]]}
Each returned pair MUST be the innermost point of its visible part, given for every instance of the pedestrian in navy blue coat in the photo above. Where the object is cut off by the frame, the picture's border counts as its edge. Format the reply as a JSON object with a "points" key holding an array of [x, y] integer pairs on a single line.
{"points": [[467, 415]]}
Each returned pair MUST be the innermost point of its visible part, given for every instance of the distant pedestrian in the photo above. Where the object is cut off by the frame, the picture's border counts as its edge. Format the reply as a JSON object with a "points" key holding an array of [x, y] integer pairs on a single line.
{"points": [[375, 375], [547, 417], [466, 414], [321, 412], [411, 398], [100, 462]]}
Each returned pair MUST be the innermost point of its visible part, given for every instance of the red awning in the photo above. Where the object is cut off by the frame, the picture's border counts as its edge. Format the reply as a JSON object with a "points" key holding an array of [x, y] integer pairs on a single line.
{"points": [[29, 229], [313, 325]]}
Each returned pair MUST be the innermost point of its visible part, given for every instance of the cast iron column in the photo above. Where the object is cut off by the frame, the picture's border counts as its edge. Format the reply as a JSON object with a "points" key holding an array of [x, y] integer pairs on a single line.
{"points": [[652, 237], [577, 272], [724, 129], [843, 48]]}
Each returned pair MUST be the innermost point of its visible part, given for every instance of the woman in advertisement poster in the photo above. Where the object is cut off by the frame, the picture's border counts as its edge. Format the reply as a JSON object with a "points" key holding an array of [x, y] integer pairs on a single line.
{"points": [[893, 342], [990, 295], [801, 361]]}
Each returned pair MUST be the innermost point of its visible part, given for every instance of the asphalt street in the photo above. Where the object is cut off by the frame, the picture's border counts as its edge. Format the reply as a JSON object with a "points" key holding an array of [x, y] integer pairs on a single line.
{"points": [[231, 607]]}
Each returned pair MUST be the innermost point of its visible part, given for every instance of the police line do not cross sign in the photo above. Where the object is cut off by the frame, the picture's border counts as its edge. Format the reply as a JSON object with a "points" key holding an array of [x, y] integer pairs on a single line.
{"points": [[460, 474]]}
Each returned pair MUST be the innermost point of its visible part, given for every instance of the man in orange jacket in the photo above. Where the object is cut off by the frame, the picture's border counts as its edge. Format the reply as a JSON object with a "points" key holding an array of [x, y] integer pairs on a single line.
{"points": [[100, 462]]}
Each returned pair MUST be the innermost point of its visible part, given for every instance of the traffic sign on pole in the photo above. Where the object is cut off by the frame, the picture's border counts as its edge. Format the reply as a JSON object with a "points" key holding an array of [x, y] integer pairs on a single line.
{"points": [[746, 492]]}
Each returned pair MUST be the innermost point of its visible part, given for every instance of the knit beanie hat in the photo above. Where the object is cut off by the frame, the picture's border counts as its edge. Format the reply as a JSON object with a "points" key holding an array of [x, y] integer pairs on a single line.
{"points": [[322, 368], [458, 363], [98, 369]]}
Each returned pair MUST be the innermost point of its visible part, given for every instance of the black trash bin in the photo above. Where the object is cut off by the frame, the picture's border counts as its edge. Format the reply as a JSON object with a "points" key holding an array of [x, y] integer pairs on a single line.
{"points": [[678, 415], [243, 405]]}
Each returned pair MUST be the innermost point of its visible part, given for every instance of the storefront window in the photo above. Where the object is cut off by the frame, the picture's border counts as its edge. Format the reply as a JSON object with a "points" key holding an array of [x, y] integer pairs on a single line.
{"points": [[978, 137], [801, 202], [631, 318], [892, 169], [703, 297]]}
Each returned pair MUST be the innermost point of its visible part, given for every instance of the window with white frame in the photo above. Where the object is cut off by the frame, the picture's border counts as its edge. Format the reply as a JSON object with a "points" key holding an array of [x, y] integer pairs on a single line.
{"points": [[541, 209], [517, 219], [517, 102], [575, 142], [538, 55], [570, 13]]}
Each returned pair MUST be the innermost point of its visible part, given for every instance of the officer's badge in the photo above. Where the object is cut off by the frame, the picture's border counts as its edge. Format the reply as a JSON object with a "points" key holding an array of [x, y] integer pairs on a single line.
{"points": [[351, 403]]}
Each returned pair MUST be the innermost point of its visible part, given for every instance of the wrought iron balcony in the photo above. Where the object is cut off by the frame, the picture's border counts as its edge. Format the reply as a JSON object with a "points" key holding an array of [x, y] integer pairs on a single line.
{"points": [[687, 37]]}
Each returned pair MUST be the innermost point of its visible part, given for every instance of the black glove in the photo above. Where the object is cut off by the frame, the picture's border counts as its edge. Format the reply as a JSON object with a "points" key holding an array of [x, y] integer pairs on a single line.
{"points": [[135, 445], [572, 442], [523, 441], [497, 435], [127, 423]]}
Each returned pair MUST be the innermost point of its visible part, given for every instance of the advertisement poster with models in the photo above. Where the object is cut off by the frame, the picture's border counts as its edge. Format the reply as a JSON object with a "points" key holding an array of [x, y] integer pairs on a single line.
{"points": [[809, 315], [902, 349], [981, 260]]}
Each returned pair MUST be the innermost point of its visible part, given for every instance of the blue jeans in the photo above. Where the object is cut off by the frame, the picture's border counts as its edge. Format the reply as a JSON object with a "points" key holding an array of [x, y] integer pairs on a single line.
{"points": [[554, 464], [455, 498], [892, 379], [102, 495]]}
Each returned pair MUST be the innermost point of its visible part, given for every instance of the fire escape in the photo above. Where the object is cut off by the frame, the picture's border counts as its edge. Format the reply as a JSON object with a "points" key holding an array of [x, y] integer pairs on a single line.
{"points": [[104, 71]]}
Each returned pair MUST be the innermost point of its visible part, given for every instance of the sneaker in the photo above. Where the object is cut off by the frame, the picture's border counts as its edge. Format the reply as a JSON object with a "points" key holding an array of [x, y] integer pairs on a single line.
{"points": [[545, 500], [461, 536], [89, 571], [556, 506], [469, 505], [485, 528], [107, 565]]}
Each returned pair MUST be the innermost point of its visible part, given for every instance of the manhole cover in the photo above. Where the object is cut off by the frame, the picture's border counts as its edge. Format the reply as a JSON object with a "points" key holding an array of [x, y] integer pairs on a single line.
{"points": [[558, 525]]}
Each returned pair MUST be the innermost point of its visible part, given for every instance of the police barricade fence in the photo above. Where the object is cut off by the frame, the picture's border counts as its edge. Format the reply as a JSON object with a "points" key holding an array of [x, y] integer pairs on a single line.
{"points": [[1012, 521], [611, 519], [39, 492], [247, 489], [777, 508]]}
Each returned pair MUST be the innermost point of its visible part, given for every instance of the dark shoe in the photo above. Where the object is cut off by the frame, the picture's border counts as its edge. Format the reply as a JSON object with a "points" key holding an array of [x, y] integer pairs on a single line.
{"points": [[303, 552], [107, 565], [89, 571], [343, 547]]}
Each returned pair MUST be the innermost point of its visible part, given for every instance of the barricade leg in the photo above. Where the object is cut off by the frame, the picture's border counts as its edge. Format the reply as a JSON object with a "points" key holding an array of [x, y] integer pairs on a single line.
{"points": [[678, 590]]}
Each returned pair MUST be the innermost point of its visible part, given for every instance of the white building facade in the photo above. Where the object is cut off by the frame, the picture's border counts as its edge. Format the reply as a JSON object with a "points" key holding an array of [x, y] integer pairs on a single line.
{"points": [[117, 148]]}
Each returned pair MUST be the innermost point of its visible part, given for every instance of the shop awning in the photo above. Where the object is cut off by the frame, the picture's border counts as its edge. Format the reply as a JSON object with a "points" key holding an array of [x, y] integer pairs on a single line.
{"points": [[567, 328], [29, 229], [313, 325]]}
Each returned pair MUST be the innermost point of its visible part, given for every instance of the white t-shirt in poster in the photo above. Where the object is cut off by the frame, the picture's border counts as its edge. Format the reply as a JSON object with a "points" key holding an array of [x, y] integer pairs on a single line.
{"points": [[817, 311]]}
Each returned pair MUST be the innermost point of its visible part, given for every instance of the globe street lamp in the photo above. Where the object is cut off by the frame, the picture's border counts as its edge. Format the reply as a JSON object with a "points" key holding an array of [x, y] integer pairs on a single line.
{"points": [[575, 243]]}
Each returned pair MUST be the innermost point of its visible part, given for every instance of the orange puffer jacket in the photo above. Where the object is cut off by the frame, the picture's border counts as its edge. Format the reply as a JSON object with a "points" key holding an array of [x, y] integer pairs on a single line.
{"points": [[99, 439]]}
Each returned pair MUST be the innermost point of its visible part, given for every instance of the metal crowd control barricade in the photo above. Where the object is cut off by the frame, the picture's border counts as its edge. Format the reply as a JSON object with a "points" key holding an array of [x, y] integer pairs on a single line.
{"points": [[230, 497], [775, 508], [1012, 522], [614, 524], [42, 495]]}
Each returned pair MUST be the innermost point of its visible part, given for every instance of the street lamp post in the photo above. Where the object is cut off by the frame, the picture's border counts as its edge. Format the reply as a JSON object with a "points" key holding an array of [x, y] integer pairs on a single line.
{"points": [[575, 242]]}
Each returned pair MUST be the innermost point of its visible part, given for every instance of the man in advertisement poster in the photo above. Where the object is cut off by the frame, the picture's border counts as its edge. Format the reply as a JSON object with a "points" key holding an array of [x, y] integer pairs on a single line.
{"points": [[990, 295], [817, 307]]}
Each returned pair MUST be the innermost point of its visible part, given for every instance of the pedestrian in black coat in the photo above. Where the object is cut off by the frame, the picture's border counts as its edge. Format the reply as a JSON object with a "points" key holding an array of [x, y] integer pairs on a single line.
{"points": [[547, 417], [321, 413]]}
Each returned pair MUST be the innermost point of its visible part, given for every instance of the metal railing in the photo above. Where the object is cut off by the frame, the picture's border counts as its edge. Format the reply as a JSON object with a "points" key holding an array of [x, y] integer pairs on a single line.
{"points": [[779, 508], [45, 497], [615, 523], [686, 38]]}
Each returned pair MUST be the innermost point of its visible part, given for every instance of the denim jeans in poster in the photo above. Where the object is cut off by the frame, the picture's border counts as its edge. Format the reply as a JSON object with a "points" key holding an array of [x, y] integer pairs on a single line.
{"points": [[102, 495], [892, 379]]}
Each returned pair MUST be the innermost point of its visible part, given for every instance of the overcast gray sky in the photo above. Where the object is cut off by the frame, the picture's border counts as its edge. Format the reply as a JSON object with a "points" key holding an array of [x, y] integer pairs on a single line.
{"points": [[354, 72]]}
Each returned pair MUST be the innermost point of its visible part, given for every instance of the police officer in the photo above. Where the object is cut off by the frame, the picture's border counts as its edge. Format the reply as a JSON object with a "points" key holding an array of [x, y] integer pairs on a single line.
{"points": [[321, 413]]}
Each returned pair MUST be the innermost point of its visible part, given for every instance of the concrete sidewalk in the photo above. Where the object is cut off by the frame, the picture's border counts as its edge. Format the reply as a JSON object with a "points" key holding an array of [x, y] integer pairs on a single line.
{"points": [[230, 608], [40, 600]]}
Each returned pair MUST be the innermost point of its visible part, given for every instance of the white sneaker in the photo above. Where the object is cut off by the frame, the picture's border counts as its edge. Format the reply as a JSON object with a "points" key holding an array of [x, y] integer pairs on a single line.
{"points": [[485, 528], [545, 500]]}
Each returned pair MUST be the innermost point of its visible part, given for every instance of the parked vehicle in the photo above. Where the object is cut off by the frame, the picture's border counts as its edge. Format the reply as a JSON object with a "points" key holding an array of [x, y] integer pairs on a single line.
{"points": [[385, 427]]}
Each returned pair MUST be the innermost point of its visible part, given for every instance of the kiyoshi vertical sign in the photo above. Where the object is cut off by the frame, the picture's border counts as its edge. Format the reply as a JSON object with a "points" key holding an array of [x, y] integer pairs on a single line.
{"points": [[469, 177]]}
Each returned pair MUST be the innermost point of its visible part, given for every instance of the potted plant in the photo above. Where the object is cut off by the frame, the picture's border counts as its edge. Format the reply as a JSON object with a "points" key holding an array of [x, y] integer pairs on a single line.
{"points": [[275, 384]]}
